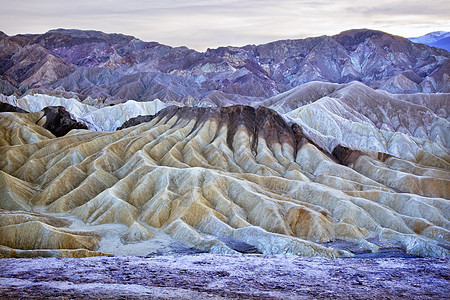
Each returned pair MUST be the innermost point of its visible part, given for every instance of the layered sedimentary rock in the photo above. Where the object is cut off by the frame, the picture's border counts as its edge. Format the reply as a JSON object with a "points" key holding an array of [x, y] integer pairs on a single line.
{"points": [[222, 180]]}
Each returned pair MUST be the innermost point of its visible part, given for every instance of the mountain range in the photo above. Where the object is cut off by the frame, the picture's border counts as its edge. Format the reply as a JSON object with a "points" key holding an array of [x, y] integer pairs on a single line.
{"points": [[439, 39], [115, 67]]}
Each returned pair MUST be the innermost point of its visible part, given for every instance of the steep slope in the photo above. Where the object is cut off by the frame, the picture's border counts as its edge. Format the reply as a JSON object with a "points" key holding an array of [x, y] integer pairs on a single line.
{"points": [[202, 176], [35, 66]]}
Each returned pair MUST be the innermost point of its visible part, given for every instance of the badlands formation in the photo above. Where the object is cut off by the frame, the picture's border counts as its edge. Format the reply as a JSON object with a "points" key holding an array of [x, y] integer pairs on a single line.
{"points": [[305, 172], [113, 68]]}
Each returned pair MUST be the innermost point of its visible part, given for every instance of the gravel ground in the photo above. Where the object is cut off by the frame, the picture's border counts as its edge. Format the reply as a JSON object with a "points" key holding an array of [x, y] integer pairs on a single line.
{"points": [[208, 276]]}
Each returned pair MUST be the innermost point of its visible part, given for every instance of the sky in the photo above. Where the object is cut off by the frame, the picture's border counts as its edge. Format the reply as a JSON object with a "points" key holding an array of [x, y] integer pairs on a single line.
{"points": [[202, 24]]}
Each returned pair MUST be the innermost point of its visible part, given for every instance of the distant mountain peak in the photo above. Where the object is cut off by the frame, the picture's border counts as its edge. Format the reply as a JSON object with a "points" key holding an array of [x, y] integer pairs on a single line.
{"points": [[431, 37], [439, 39], [358, 31]]}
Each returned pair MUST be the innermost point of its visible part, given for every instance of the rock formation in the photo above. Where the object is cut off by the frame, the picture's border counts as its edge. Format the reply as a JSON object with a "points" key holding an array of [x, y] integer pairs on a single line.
{"points": [[106, 118], [226, 179], [115, 68], [114, 146]]}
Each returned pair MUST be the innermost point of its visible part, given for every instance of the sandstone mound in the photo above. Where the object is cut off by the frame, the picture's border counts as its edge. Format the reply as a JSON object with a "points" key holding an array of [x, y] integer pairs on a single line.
{"points": [[206, 176]]}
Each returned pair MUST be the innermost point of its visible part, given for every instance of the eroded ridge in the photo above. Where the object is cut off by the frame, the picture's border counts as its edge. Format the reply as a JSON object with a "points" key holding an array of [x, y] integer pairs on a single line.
{"points": [[259, 122], [209, 179]]}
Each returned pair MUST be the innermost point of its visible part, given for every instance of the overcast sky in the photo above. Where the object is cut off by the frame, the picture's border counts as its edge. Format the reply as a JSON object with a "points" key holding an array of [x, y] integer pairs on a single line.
{"points": [[202, 24]]}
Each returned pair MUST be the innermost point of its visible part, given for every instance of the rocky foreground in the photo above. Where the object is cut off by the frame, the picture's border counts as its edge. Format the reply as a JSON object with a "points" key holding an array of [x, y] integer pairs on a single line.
{"points": [[207, 276]]}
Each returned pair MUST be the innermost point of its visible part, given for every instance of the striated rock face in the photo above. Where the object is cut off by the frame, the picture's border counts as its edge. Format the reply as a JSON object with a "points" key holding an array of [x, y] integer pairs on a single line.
{"points": [[115, 67], [400, 125], [222, 180], [260, 122]]}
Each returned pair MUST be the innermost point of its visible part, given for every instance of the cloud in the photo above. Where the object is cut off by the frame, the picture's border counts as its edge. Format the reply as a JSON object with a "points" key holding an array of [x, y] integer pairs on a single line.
{"points": [[411, 8], [210, 23]]}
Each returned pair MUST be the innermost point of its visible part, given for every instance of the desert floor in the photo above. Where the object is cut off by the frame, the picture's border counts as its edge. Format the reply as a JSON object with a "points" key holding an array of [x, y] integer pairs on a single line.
{"points": [[208, 276]]}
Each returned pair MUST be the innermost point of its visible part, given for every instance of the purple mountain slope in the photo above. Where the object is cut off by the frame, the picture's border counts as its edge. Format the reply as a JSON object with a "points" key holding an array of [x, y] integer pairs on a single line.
{"points": [[114, 67]]}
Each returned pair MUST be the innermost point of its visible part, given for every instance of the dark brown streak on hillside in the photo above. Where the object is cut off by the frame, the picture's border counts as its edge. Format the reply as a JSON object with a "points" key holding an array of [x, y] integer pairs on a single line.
{"points": [[240, 115], [301, 139], [274, 128], [345, 155], [136, 121], [5, 107], [383, 156], [348, 157], [59, 121], [258, 122], [203, 114]]}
